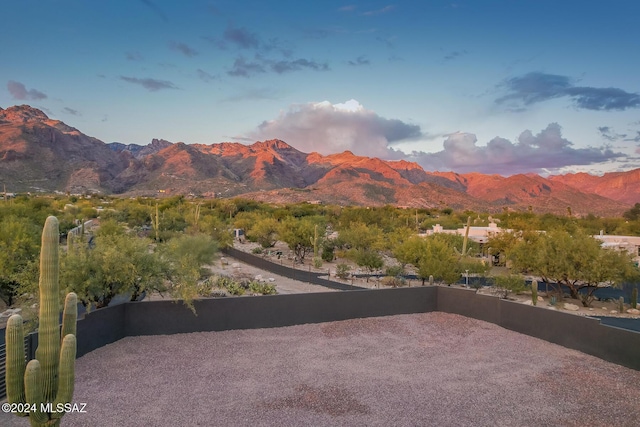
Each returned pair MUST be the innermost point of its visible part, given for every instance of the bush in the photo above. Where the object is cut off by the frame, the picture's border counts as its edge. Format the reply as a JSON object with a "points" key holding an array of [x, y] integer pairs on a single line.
{"points": [[342, 271], [394, 271], [393, 282], [234, 288], [257, 250], [262, 288], [510, 283]]}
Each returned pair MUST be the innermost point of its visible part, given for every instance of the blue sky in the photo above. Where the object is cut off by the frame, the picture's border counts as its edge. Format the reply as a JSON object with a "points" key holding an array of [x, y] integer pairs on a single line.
{"points": [[494, 86]]}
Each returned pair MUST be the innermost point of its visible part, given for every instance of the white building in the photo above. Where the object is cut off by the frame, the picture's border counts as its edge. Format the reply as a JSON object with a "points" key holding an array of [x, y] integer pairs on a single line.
{"points": [[631, 244], [477, 234]]}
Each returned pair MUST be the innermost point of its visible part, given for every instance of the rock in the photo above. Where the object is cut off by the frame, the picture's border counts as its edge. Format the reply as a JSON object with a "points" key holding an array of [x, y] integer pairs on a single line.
{"points": [[633, 311], [235, 265], [528, 302], [604, 308], [571, 307], [271, 279], [10, 312], [258, 277], [540, 299], [591, 309], [613, 312]]}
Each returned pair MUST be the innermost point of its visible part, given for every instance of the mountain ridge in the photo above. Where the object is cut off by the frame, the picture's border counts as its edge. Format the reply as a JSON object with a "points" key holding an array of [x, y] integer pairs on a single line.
{"points": [[41, 154]]}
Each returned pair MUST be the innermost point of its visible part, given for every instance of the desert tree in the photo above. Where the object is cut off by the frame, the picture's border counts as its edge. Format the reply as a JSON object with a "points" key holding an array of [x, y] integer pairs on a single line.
{"points": [[574, 260]]}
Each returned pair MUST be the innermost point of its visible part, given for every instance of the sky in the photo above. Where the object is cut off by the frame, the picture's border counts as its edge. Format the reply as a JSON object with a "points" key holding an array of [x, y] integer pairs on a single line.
{"points": [[491, 86]]}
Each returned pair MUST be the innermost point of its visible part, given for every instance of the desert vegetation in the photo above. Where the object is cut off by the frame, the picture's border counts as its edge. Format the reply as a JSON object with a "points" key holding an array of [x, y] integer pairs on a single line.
{"points": [[149, 245]]}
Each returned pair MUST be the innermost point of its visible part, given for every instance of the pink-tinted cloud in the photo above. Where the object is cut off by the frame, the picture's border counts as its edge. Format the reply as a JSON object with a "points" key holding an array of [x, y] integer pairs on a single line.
{"points": [[330, 128], [547, 150]]}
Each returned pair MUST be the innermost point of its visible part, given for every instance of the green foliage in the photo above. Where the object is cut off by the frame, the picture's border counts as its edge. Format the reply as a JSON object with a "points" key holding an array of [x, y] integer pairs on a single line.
{"points": [[634, 297], [342, 271], [360, 236], [632, 214], [264, 231], [262, 288], [369, 259], [575, 260], [49, 378], [257, 250], [438, 259], [19, 247], [394, 271], [299, 233], [534, 292], [508, 283], [328, 250], [122, 264]]}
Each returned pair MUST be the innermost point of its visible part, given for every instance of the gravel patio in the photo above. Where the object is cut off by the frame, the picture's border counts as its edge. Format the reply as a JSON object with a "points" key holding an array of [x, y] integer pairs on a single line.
{"points": [[432, 369]]}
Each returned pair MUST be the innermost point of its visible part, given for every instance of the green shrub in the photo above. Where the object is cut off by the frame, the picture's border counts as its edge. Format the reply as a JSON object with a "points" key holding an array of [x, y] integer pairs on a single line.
{"points": [[257, 250], [342, 271], [394, 271], [509, 283], [234, 288], [262, 288]]}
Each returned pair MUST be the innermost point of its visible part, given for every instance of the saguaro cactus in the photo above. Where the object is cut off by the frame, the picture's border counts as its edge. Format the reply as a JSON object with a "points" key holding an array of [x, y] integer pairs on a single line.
{"points": [[534, 292], [48, 379]]}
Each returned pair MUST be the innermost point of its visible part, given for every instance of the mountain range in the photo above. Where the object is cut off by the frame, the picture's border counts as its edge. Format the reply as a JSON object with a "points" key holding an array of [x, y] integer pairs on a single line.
{"points": [[38, 154]]}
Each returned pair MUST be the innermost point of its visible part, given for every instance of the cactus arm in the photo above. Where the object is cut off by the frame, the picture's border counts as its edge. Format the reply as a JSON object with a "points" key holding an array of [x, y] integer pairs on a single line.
{"points": [[15, 363], [48, 352], [32, 381], [69, 315], [67, 372]]}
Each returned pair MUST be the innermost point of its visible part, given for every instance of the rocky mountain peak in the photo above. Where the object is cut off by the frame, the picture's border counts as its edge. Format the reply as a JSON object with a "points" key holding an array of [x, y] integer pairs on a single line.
{"points": [[22, 114]]}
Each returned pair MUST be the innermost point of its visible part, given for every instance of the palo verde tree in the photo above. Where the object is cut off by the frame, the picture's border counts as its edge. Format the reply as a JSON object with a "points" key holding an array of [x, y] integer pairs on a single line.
{"points": [[574, 260], [299, 234]]}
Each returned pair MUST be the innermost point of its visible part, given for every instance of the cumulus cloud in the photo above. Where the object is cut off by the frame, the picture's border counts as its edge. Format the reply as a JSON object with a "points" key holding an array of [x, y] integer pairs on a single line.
{"points": [[537, 87], [19, 91], [329, 128], [545, 151], [152, 85], [183, 48]]}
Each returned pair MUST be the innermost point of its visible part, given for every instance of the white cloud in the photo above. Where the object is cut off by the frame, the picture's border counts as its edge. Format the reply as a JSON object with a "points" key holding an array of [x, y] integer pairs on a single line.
{"points": [[332, 128]]}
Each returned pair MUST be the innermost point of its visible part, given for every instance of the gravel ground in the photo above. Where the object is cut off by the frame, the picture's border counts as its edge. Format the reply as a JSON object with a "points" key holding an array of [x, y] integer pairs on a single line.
{"points": [[433, 369]]}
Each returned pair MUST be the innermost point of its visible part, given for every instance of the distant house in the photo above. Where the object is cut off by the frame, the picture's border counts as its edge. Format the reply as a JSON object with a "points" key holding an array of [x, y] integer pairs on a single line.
{"points": [[630, 244], [477, 234]]}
